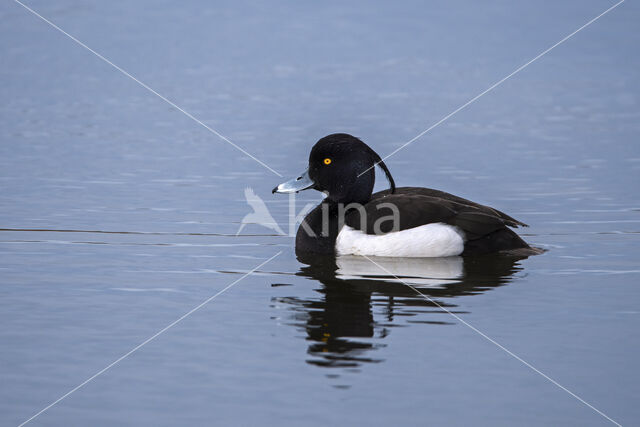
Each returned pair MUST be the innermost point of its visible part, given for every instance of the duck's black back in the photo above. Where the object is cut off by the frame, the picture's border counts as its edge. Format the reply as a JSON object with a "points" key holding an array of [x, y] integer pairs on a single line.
{"points": [[443, 196]]}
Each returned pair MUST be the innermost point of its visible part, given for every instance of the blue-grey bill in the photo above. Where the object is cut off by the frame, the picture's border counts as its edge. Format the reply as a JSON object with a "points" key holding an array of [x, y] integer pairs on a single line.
{"points": [[297, 184]]}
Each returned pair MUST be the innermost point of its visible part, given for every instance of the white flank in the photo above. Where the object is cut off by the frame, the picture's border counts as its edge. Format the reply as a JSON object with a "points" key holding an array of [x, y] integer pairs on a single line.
{"points": [[429, 240]]}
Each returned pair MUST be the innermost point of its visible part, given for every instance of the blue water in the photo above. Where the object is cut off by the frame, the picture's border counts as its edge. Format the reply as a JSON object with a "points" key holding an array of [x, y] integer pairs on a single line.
{"points": [[119, 213]]}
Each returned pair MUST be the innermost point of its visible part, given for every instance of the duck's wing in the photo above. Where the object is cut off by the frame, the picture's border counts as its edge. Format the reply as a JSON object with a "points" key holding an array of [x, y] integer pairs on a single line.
{"points": [[414, 210], [444, 197]]}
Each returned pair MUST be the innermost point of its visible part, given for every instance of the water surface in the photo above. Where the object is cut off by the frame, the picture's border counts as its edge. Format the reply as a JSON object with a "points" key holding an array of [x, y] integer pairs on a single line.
{"points": [[119, 214]]}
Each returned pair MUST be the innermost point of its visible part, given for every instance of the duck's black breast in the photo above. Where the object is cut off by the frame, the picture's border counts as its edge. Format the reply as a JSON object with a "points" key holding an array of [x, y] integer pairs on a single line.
{"points": [[312, 238]]}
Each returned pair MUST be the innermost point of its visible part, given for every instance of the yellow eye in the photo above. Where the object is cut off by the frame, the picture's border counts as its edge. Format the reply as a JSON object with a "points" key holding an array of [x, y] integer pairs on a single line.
{"points": [[327, 161]]}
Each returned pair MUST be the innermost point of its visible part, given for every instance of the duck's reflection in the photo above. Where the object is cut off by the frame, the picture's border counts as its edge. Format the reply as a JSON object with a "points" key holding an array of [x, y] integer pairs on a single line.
{"points": [[360, 301]]}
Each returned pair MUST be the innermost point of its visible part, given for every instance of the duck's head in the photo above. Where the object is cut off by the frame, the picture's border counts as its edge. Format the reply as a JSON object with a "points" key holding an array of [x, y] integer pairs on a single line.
{"points": [[342, 167]]}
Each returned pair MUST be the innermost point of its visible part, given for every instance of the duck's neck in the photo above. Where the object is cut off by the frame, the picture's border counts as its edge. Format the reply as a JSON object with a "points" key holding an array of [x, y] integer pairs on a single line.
{"points": [[356, 194]]}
